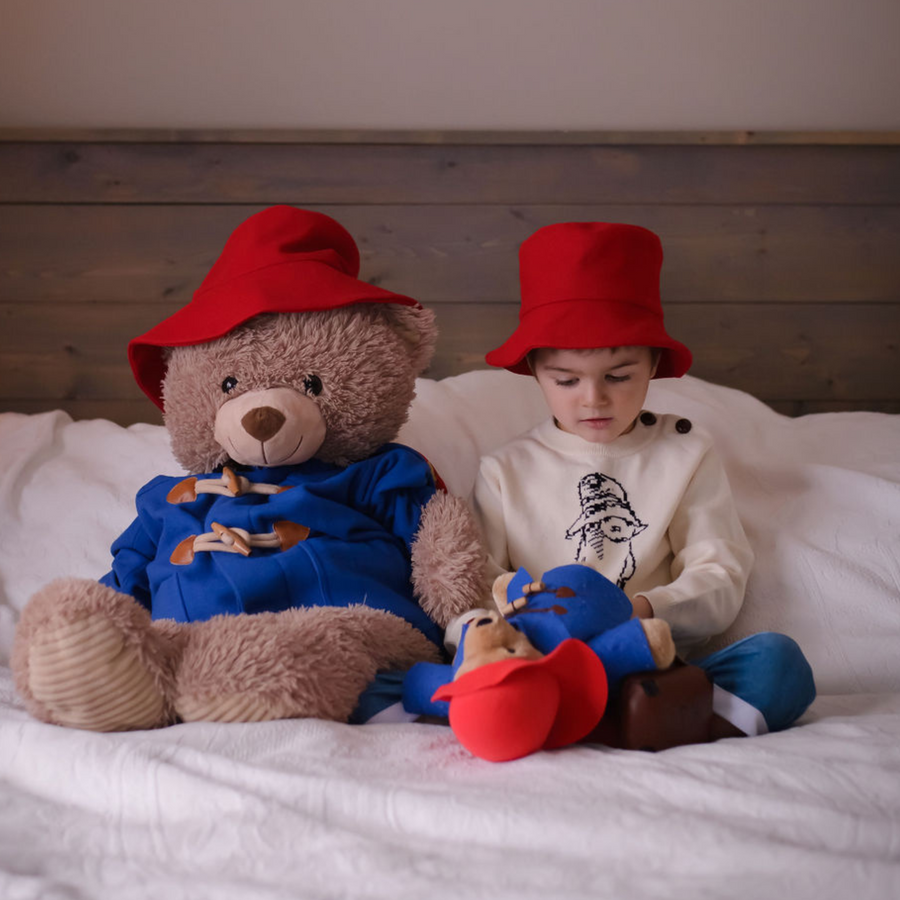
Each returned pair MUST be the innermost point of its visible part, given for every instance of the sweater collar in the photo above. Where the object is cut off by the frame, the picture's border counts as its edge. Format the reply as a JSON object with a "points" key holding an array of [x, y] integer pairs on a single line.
{"points": [[573, 445]]}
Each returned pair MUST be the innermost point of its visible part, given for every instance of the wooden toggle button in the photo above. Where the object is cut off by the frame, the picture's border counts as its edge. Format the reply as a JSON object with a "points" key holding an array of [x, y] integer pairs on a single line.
{"points": [[227, 536], [290, 533]]}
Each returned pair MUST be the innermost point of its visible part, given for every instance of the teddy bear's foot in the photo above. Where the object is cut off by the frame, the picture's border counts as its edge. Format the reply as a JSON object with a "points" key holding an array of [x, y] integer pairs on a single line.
{"points": [[300, 663], [86, 656]]}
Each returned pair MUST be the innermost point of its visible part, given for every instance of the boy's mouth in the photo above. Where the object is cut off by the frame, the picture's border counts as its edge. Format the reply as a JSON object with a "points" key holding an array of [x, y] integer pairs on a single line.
{"points": [[597, 422]]}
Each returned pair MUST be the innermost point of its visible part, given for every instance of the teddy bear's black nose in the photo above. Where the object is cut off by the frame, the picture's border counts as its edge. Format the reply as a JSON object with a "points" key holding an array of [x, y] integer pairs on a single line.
{"points": [[262, 422]]}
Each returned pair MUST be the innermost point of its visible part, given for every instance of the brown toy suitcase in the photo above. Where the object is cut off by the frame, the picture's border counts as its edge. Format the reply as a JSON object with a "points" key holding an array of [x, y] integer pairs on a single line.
{"points": [[658, 709]]}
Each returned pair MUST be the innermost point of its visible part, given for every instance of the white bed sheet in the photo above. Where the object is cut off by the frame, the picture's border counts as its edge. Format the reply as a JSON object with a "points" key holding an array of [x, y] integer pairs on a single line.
{"points": [[322, 810]]}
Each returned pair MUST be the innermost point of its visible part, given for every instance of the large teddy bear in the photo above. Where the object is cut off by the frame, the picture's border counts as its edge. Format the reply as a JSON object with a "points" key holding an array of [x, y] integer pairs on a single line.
{"points": [[305, 553]]}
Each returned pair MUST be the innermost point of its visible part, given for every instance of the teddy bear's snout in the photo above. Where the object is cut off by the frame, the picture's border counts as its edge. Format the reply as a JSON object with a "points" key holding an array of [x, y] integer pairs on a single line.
{"points": [[263, 422], [276, 426]]}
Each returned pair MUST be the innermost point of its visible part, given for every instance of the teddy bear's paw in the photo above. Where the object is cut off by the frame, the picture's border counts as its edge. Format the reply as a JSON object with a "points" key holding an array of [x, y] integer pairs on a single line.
{"points": [[84, 657], [300, 663], [659, 639]]}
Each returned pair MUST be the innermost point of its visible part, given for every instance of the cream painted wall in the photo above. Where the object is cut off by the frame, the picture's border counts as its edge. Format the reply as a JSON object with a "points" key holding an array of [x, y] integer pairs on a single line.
{"points": [[491, 64]]}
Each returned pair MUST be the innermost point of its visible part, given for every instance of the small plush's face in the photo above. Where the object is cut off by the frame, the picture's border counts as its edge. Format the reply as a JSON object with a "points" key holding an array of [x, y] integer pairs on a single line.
{"points": [[489, 639], [284, 388], [595, 394]]}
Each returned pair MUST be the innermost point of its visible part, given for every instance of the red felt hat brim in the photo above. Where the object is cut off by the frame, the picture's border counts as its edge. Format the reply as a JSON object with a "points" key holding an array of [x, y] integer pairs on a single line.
{"points": [[508, 709], [583, 324], [291, 286]]}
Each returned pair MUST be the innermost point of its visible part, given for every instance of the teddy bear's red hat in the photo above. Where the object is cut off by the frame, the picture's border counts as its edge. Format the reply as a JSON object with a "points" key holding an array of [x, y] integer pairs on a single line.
{"points": [[282, 259], [508, 709]]}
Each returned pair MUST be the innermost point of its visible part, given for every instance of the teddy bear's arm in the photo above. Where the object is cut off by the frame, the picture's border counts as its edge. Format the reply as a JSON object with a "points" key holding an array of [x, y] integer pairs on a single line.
{"points": [[449, 564]]}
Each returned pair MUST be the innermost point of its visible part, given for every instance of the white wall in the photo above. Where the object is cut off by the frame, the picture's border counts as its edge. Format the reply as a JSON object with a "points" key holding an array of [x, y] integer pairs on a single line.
{"points": [[492, 64]]}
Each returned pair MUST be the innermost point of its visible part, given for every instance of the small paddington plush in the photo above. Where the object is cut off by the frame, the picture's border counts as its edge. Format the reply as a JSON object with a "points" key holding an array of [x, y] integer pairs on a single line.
{"points": [[304, 553], [536, 673]]}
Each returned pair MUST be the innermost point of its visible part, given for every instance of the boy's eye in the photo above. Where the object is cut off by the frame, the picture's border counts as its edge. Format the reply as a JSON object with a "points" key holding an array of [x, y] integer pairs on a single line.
{"points": [[617, 379], [569, 382]]}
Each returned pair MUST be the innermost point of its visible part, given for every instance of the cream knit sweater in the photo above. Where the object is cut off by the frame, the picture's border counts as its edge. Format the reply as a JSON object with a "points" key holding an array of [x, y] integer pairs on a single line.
{"points": [[652, 511]]}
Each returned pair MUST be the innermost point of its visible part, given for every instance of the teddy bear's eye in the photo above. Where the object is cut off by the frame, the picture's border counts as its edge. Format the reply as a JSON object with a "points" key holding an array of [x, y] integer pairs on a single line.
{"points": [[313, 385], [229, 384]]}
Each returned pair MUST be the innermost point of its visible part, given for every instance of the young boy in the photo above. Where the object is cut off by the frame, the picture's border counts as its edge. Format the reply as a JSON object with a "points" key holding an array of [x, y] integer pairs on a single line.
{"points": [[638, 496]]}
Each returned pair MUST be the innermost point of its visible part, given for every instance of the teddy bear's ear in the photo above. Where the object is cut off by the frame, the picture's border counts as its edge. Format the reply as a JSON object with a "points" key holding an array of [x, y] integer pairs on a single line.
{"points": [[417, 328]]}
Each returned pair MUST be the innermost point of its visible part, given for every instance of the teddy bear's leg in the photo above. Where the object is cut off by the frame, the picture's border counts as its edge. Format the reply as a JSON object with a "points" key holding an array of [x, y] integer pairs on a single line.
{"points": [[311, 662], [449, 565], [86, 656]]}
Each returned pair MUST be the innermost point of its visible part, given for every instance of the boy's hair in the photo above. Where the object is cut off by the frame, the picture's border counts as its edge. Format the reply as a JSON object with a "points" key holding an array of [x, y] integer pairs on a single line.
{"points": [[530, 357]]}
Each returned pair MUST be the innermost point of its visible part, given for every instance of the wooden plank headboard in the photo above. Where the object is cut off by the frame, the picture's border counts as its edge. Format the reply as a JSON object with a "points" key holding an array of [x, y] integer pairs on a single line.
{"points": [[782, 267]]}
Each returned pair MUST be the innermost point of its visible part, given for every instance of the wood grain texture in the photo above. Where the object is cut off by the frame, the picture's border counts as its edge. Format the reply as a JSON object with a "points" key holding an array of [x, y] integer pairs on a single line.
{"points": [[465, 253], [413, 137], [782, 266], [305, 174], [77, 351]]}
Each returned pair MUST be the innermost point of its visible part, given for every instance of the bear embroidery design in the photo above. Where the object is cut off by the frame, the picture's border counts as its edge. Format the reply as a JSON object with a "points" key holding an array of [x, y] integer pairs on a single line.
{"points": [[606, 515]]}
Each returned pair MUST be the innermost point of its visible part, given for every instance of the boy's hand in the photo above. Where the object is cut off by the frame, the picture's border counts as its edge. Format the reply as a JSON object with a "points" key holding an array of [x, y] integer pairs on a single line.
{"points": [[642, 607]]}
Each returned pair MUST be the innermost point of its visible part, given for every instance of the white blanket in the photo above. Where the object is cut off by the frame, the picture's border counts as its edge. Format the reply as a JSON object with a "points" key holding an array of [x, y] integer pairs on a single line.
{"points": [[321, 810]]}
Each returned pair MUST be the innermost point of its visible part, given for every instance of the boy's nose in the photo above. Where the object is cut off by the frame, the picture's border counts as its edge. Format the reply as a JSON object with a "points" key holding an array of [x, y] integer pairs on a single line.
{"points": [[594, 394]]}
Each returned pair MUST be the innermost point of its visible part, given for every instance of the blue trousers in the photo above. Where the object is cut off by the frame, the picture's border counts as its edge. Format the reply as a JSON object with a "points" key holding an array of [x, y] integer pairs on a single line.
{"points": [[768, 672], [761, 683]]}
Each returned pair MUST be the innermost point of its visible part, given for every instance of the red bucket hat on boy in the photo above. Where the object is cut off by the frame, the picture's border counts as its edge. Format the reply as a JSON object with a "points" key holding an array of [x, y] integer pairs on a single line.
{"points": [[508, 709], [282, 259], [590, 284]]}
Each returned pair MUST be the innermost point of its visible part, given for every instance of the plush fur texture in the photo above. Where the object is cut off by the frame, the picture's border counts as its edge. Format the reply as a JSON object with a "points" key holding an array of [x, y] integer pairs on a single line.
{"points": [[367, 358], [299, 663], [71, 641], [449, 564], [87, 656]]}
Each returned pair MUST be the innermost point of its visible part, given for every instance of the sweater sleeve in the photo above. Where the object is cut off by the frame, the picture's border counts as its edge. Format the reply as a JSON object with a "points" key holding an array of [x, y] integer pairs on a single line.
{"points": [[394, 488], [712, 559], [487, 505], [132, 552]]}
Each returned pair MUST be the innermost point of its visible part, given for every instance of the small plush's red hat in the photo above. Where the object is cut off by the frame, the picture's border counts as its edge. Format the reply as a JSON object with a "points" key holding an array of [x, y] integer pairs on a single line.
{"points": [[508, 709], [282, 259], [590, 284]]}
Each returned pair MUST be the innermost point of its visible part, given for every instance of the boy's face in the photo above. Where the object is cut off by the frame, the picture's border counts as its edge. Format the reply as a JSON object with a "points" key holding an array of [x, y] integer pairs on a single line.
{"points": [[596, 394]]}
